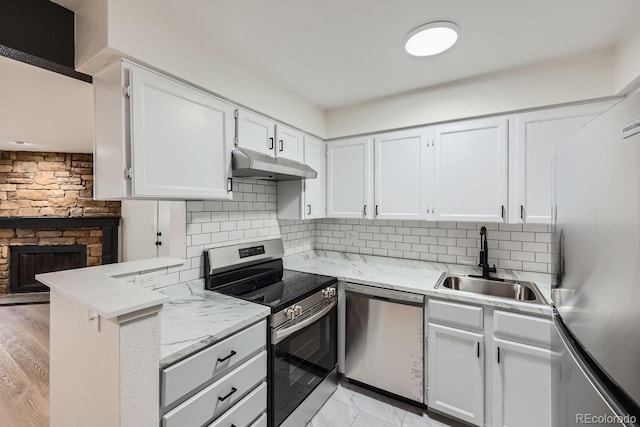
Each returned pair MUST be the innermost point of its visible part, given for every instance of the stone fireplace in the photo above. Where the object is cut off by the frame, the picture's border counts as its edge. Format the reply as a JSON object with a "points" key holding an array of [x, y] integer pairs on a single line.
{"points": [[48, 218]]}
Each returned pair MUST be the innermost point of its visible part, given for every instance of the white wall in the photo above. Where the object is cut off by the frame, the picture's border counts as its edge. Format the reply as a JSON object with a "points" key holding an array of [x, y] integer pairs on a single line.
{"points": [[142, 31], [627, 62], [573, 79]]}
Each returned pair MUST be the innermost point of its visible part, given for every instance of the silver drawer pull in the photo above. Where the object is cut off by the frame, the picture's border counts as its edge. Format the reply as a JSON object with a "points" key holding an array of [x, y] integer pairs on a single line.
{"points": [[228, 395], [233, 353]]}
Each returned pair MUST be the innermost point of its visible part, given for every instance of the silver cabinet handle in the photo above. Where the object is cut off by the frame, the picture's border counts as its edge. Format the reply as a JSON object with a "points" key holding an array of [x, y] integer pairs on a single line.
{"points": [[281, 145], [271, 143]]}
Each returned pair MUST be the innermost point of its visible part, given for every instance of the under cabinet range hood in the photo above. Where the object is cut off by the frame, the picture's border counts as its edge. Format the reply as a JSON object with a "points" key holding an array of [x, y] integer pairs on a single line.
{"points": [[251, 164]]}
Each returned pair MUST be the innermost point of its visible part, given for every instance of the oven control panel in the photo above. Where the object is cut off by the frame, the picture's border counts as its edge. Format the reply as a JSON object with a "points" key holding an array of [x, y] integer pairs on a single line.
{"points": [[252, 251]]}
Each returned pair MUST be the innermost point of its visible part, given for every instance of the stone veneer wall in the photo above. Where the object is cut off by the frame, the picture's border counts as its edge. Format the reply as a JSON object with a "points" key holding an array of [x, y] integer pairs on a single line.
{"points": [[34, 184], [49, 184]]}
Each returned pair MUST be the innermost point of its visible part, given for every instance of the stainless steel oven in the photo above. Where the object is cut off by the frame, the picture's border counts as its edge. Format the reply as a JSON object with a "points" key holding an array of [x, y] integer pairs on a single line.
{"points": [[303, 324], [303, 358]]}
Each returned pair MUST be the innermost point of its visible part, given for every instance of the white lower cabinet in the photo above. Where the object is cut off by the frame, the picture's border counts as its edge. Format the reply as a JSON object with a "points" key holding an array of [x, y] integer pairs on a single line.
{"points": [[248, 410], [456, 373], [152, 229], [222, 385], [521, 385], [511, 386]]}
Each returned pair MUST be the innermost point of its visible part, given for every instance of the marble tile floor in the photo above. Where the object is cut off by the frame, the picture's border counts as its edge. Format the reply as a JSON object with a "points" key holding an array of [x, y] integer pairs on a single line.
{"points": [[353, 406]]}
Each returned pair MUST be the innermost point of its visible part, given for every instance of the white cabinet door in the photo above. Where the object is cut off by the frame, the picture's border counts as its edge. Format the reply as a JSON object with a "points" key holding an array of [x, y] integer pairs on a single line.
{"points": [[153, 229], [456, 373], [522, 380], [255, 133], [315, 190], [471, 171], [403, 176], [180, 140], [537, 136], [349, 178], [306, 199], [290, 143]]}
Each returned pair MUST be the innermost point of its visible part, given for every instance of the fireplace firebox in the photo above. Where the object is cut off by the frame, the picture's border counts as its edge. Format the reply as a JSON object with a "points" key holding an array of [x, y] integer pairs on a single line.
{"points": [[27, 261]]}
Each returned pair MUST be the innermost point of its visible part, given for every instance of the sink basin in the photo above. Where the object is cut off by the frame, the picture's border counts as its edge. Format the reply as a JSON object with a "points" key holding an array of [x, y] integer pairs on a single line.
{"points": [[514, 290]]}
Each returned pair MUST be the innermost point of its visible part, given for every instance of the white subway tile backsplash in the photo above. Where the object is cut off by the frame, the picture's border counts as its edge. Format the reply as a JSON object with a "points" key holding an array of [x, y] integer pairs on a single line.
{"points": [[534, 247], [523, 236], [523, 256], [510, 245], [252, 216], [508, 264]]}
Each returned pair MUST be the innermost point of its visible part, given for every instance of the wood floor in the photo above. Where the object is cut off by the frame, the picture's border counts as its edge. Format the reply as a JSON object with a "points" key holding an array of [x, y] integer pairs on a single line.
{"points": [[24, 365]]}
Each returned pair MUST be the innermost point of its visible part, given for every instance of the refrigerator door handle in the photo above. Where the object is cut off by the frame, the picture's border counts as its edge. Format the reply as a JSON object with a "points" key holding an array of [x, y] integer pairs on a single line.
{"points": [[581, 362]]}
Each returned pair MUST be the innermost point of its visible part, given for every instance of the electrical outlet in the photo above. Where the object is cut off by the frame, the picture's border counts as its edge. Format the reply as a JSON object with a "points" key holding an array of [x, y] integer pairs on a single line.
{"points": [[351, 237]]}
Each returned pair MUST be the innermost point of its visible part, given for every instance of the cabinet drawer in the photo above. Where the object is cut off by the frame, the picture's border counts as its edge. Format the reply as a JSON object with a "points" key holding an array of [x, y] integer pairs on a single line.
{"points": [[467, 316], [260, 422], [522, 327], [246, 410], [213, 400], [185, 376]]}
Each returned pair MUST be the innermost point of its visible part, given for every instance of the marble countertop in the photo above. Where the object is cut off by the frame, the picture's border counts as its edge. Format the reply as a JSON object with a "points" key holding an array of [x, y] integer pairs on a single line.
{"points": [[414, 276], [99, 289], [194, 318]]}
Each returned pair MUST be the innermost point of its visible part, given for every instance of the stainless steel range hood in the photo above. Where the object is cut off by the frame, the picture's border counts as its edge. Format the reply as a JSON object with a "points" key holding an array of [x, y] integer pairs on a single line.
{"points": [[251, 164]]}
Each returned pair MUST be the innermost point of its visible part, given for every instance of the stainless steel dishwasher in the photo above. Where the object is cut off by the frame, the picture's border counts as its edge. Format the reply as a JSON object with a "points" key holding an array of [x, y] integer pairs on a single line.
{"points": [[384, 342]]}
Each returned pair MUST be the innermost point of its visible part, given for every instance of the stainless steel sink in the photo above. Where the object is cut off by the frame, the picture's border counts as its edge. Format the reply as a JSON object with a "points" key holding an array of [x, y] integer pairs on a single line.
{"points": [[515, 290]]}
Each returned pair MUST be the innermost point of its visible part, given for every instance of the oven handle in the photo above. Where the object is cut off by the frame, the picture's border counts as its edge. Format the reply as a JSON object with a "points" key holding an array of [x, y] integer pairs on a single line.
{"points": [[279, 335]]}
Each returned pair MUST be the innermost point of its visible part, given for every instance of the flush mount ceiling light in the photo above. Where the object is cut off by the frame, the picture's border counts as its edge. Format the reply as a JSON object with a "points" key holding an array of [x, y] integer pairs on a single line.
{"points": [[431, 39]]}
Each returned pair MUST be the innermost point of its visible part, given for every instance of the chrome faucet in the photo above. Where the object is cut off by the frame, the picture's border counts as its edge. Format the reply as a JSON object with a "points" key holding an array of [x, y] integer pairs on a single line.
{"points": [[484, 255]]}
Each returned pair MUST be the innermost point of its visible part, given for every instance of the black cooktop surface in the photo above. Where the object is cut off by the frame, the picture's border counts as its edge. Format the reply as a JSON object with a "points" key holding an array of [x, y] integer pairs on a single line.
{"points": [[269, 284]]}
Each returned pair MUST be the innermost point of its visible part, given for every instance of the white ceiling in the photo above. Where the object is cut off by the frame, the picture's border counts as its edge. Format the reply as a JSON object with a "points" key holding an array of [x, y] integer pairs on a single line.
{"points": [[46, 110], [330, 52], [336, 52]]}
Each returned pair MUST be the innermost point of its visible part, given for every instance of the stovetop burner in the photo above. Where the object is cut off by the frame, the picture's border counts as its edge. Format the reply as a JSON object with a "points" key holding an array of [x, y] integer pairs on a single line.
{"points": [[255, 272], [270, 285]]}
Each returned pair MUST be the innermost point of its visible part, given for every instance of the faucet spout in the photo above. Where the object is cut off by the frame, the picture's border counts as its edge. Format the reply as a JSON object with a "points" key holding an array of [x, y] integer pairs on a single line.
{"points": [[484, 255]]}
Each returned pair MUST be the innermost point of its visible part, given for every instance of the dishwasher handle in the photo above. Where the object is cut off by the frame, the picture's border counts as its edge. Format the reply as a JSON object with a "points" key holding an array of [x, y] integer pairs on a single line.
{"points": [[385, 294]]}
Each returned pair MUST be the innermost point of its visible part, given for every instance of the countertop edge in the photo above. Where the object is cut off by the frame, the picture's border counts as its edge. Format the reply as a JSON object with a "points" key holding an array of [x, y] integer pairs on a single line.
{"points": [[98, 290]]}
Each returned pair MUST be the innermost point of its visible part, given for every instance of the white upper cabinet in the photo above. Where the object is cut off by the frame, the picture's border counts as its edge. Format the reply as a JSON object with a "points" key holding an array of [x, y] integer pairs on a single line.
{"points": [[350, 178], [258, 133], [306, 199], [403, 174], [315, 190], [533, 140], [471, 171], [290, 143], [157, 138], [255, 133]]}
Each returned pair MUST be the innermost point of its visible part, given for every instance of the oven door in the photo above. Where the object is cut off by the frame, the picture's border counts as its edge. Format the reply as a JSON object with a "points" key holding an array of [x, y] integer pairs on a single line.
{"points": [[302, 355]]}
